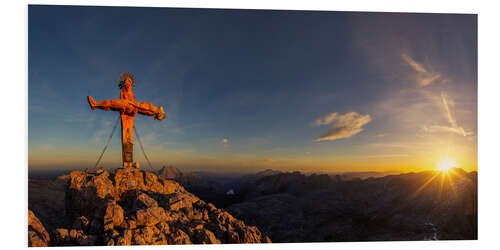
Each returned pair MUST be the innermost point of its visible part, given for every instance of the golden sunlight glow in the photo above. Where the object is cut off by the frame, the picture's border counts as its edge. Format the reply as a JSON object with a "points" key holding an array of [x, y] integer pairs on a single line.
{"points": [[445, 164]]}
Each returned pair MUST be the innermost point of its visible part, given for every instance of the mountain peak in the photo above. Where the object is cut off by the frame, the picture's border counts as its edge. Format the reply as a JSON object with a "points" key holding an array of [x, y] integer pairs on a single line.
{"points": [[134, 207], [170, 172]]}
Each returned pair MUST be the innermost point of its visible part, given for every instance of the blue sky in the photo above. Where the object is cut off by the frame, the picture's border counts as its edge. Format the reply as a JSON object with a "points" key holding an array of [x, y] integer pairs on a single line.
{"points": [[246, 90]]}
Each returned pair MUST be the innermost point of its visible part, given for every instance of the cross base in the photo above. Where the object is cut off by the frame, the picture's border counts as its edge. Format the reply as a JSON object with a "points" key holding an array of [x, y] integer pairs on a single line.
{"points": [[130, 165]]}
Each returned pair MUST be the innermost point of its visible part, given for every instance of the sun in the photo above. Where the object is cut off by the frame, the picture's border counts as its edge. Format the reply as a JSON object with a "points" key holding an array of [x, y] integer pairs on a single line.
{"points": [[445, 164]]}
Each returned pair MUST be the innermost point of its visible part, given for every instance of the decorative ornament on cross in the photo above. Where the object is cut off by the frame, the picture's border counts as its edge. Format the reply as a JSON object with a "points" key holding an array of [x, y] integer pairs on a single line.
{"points": [[128, 108]]}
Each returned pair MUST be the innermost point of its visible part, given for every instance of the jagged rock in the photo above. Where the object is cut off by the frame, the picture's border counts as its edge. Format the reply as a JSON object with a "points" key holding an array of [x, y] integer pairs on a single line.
{"points": [[179, 237], [251, 235], [147, 233], [160, 240], [218, 230], [150, 216], [204, 236], [34, 240], [125, 239], [37, 235], [163, 227], [135, 200], [138, 239], [177, 201], [134, 179], [134, 207], [233, 237], [132, 223], [146, 201], [193, 214], [113, 216]]}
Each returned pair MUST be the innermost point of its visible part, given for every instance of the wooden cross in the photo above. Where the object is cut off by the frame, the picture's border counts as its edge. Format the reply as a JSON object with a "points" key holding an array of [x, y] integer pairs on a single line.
{"points": [[128, 108]]}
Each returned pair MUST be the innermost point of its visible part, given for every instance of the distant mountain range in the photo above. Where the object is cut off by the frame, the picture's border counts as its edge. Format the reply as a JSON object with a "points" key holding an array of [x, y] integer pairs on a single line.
{"points": [[352, 206], [293, 207], [362, 175], [286, 206]]}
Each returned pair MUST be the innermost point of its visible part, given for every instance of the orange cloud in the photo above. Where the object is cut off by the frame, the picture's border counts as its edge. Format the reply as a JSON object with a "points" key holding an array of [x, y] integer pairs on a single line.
{"points": [[343, 126]]}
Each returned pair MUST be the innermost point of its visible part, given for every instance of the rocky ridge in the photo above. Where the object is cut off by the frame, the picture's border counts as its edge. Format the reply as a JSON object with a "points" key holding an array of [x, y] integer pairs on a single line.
{"points": [[135, 207], [37, 235], [293, 207]]}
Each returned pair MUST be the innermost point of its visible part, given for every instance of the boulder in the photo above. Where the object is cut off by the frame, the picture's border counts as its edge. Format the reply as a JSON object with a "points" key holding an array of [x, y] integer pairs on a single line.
{"points": [[146, 201], [135, 200], [163, 227], [125, 239], [178, 237], [204, 236], [150, 216], [114, 215], [177, 201]]}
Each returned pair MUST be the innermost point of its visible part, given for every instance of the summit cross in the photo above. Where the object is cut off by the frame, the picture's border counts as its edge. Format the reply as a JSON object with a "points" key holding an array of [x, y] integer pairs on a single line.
{"points": [[128, 108]]}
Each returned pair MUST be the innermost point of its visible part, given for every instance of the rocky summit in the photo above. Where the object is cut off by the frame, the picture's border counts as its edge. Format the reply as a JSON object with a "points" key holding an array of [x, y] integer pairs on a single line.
{"points": [[133, 207]]}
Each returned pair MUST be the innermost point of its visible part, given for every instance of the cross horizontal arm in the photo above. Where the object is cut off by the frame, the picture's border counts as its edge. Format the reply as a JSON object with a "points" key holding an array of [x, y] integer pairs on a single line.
{"points": [[128, 107]]}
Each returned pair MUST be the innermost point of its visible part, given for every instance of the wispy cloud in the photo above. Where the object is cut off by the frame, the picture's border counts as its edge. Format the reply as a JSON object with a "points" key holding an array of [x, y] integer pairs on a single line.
{"points": [[448, 105], [424, 76], [343, 126], [438, 128], [416, 66]]}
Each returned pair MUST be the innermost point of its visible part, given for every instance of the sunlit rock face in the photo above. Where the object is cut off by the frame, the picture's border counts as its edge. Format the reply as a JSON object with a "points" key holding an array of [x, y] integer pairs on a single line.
{"points": [[134, 207], [37, 235]]}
